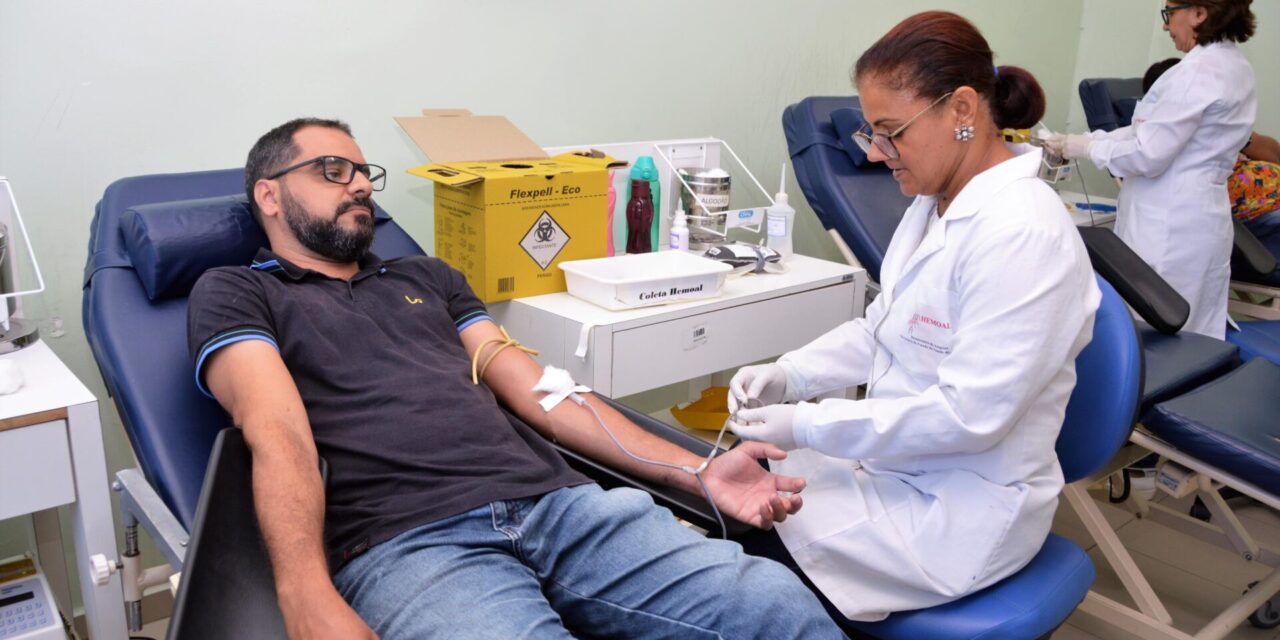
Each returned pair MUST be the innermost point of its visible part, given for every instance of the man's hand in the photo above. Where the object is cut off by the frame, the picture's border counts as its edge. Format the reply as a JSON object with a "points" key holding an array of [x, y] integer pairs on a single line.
{"points": [[324, 615], [766, 383], [773, 424], [748, 492]]}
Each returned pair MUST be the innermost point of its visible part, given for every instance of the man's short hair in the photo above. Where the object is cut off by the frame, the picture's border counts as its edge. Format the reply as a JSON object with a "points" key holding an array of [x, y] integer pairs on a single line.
{"points": [[276, 147]]}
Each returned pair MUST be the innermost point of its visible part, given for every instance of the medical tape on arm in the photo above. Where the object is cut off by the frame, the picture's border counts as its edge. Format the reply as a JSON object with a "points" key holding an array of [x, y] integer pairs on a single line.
{"points": [[477, 369]]}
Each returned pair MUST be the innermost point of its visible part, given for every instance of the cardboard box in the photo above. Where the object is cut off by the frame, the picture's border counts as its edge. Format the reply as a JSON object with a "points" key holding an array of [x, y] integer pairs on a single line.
{"points": [[506, 214]]}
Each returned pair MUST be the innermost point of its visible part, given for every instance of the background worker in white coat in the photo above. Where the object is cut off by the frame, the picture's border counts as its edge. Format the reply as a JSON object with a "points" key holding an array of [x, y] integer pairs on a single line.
{"points": [[1177, 155], [944, 480]]}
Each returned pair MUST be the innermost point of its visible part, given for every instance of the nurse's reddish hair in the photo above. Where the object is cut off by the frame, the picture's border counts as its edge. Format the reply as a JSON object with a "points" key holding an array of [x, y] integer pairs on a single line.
{"points": [[935, 52]]}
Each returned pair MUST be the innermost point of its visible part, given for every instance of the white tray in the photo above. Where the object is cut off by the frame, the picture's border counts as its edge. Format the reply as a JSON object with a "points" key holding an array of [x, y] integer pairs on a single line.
{"points": [[641, 280]]}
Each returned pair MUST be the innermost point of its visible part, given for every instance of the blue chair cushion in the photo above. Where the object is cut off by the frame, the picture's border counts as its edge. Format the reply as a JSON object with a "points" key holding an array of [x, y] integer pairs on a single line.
{"points": [[1104, 404], [1109, 102], [1257, 339], [1028, 604], [1229, 423], [847, 121], [1179, 363], [170, 244]]}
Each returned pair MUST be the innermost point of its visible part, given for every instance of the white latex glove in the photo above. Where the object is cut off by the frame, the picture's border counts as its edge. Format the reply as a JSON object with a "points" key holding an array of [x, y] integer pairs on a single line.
{"points": [[773, 424], [766, 383], [1053, 141], [1072, 146]]}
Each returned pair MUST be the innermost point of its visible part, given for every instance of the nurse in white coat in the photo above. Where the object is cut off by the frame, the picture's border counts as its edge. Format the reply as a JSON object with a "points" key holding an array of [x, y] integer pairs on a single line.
{"points": [[944, 480], [1177, 155]]}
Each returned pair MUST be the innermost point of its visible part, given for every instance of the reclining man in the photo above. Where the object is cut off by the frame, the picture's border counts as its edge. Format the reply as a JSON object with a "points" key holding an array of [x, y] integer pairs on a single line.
{"points": [[444, 516]]}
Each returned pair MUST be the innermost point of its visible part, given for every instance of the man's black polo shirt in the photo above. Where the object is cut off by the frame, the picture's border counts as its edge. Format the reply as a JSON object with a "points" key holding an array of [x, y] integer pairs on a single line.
{"points": [[387, 387]]}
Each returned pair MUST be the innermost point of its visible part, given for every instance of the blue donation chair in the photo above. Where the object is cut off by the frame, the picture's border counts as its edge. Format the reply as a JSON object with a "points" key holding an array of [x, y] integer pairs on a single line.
{"points": [[1200, 410], [1255, 274], [1037, 599], [151, 239]]}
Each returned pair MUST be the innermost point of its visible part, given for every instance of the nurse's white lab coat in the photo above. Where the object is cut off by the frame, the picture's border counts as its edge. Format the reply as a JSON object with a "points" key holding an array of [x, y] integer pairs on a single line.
{"points": [[1175, 159], [945, 479]]}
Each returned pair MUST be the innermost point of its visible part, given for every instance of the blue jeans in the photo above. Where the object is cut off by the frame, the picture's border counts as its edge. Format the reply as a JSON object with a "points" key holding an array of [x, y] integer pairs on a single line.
{"points": [[580, 561]]}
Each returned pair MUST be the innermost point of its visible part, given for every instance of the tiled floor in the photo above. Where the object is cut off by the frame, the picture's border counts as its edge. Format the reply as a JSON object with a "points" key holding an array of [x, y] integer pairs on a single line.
{"points": [[1194, 579]]}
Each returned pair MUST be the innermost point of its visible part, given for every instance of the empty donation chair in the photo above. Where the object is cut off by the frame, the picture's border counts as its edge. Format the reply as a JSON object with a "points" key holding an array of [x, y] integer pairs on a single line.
{"points": [[151, 239], [1108, 104], [852, 198]]}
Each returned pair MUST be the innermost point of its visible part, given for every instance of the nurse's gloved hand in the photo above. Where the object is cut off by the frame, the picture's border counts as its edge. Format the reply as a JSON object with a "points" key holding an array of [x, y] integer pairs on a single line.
{"points": [[773, 424], [1072, 146], [766, 383]]}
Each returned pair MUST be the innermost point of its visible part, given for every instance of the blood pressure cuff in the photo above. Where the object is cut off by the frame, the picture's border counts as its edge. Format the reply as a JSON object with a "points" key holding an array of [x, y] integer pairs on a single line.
{"points": [[1137, 283], [170, 244]]}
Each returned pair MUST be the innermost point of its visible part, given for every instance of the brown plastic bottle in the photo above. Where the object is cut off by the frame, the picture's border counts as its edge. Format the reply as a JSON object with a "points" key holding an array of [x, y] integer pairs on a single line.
{"points": [[639, 218]]}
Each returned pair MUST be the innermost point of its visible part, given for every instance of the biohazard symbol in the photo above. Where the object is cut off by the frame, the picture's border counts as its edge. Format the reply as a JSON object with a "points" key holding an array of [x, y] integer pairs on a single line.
{"points": [[545, 231]]}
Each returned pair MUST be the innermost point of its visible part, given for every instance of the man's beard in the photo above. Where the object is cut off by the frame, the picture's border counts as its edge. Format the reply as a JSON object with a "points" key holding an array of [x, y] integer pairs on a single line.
{"points": [[325, 236]]}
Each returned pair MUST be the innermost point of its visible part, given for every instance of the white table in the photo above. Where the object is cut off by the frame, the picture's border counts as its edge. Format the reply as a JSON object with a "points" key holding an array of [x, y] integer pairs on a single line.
{"points": [[51, 454], [1081, 216], [755, 317]]}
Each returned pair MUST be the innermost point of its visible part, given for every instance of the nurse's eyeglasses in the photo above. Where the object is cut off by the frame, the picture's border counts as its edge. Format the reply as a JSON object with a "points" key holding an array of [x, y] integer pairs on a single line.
{"points": [[340, 170], [865, 137], [1168, 11]]}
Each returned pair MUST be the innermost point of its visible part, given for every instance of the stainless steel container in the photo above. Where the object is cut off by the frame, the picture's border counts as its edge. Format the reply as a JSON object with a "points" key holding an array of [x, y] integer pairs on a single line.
{"points": [[706, 220]]}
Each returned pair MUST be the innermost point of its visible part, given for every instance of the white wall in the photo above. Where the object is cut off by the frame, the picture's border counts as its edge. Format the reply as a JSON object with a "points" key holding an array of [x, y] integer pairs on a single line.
{"points": [[94, 91]]}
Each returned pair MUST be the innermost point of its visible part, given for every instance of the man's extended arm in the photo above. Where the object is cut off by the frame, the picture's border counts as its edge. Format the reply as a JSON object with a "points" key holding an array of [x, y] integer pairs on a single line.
{"points": [[741, 487], [252, 383]]}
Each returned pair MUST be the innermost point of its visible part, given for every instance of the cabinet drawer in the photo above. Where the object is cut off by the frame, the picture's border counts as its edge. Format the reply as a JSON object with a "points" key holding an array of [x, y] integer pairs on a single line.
{"points": [[35, 469], [654, 355]]}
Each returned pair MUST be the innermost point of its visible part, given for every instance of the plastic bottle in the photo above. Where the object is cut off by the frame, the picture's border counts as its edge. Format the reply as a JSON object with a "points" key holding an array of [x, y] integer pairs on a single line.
{"points": [[680, 231], [644, 169], [780, 219], [639, 218]]}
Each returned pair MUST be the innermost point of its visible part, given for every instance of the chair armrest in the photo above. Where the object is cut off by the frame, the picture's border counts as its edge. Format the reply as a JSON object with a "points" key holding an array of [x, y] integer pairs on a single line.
{"points": [[227, 589], [1137, 283], [1251, 261]]}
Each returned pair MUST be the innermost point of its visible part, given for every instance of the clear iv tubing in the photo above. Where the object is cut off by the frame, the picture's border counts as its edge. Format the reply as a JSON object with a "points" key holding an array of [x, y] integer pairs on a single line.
{"points": [[696, 473]]}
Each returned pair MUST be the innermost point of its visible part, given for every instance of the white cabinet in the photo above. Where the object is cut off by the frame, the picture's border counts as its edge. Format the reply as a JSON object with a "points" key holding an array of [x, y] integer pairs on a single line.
{"points": [[620, 353]]}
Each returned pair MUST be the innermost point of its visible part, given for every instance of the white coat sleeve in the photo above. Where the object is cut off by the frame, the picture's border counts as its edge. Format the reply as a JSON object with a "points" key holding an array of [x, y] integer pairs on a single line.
{"points": [[1122, 133], [1016, 324], [837, 359], [1150, 146]]}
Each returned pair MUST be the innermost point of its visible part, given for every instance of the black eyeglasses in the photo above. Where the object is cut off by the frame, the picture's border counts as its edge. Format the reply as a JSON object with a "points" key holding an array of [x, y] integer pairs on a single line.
{"points": [[341, 171], [1168, 11], [865, 137]]}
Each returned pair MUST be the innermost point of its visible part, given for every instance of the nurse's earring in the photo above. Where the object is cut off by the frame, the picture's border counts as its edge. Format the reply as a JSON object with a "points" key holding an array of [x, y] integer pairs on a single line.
{"points": [[964, 133]]}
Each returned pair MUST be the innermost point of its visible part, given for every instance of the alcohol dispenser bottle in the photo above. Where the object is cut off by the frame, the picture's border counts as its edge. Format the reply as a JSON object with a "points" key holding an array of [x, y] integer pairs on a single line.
{"points": [[781, 219]]}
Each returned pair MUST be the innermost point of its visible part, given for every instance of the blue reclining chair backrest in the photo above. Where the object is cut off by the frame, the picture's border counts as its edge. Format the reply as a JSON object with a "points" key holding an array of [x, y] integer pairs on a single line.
{"points": [[151, 237], [857, 198], [1104, 404], [1109, 102]]}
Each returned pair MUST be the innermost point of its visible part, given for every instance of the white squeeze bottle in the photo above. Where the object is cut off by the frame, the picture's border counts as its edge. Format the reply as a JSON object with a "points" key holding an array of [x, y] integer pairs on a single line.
{"points": [[780, 219], [680, 231]]}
